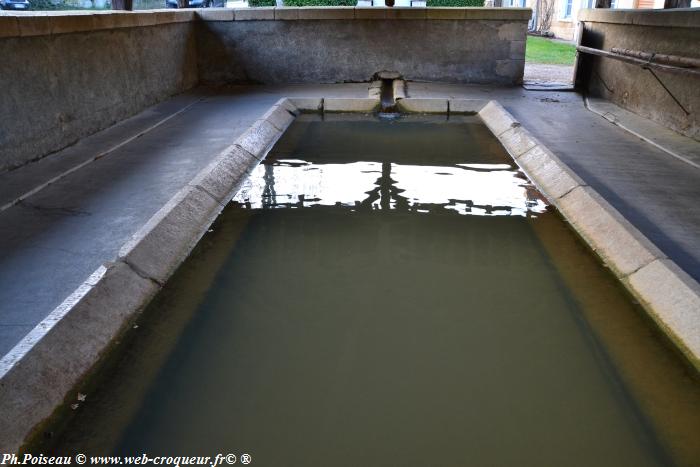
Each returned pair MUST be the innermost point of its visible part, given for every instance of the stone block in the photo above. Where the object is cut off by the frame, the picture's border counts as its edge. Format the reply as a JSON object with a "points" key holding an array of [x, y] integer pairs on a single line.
{"points": [[37, 375], [399, 89], [551, 175], [34, 25], [512, 31], [126, 20], [254, 14], [285, 103], [672, 298], [259, 138], [467, 106], [74, 23], [159, 247], [183, 16], [510, 69], [9, 27], [105, 20], [282, 13], [517, 141], [145, 18], [222, 177], [620, 244], [445, 13], [279, 116], [517, 50], [338, 104], [426, 105], [498, 14], [406, 13], [331, 12], [307, 104], [370, 13], [497, 118], [215, 14], [374, 91]]}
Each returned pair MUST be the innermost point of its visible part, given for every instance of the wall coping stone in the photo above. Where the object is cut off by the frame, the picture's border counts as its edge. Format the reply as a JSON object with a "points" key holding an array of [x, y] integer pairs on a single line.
{"points": [[42, 23], [671, 18]]}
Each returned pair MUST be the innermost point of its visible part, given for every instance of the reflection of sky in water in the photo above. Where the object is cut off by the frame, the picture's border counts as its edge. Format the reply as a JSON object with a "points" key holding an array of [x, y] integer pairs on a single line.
{"points": [[475, 189]]}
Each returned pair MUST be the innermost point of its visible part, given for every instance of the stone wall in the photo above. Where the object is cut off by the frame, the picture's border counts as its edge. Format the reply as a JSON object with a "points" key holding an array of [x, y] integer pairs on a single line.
{"points": [[317, 45], [65, 77], [675, 32]]}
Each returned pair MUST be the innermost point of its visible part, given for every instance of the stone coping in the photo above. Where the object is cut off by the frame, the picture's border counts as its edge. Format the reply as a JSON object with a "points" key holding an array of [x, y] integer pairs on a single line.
{"points": [[28, 23], [670, 18], [667, 293], [44, 370]]}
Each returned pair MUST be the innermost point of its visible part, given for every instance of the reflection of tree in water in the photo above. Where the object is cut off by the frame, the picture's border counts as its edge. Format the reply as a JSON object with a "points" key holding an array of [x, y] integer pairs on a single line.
{"points": [[269, 195], [389, 196], [384, 192]]}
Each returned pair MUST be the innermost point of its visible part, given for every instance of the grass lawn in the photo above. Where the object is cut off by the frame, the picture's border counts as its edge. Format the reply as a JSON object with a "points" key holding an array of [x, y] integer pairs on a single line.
{"points": [[541, 50]]}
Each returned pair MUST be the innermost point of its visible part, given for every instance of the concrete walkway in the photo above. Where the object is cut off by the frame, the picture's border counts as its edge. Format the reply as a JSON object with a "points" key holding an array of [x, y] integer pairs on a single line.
{"points": [[54, 239]]}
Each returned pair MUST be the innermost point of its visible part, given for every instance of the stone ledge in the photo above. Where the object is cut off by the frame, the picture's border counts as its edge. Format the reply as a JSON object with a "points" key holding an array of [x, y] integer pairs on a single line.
{"points": [[216, 14], [467, 106], [14, 24], [423, 105], [253, 14], [674, 300], [669, 295], [44, 368], [341, 104], [406, 13], [670, 18], [41, 371], [9, 26], [324, 12]]}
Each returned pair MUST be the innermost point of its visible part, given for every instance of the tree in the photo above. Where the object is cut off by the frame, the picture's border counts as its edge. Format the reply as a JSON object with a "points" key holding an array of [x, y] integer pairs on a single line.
{"points": [[546, 14]]}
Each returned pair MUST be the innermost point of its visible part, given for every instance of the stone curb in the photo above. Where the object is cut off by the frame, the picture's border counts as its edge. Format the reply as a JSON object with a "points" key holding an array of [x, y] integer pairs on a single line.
{"points": [[16, 24], [40, 372], [466, 106], [341, 104], [423, 105], [307, 104], [667, 293]]}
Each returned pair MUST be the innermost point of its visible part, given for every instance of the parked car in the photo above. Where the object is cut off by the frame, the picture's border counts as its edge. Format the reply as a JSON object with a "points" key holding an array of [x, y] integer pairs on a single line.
{"points": [[14, 4], [196, 3]]}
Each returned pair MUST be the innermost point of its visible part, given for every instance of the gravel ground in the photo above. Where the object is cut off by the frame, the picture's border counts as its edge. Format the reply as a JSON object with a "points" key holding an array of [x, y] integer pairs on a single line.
{"points": [[541, 73]]}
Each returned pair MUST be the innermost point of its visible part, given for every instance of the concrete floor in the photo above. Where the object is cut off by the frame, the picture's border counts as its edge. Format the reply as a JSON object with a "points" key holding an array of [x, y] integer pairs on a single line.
{"points": [[54, 239]]}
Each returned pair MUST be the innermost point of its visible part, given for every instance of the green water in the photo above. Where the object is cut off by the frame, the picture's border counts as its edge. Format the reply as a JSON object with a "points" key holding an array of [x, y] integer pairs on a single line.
{"points": [[390, 293]]}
